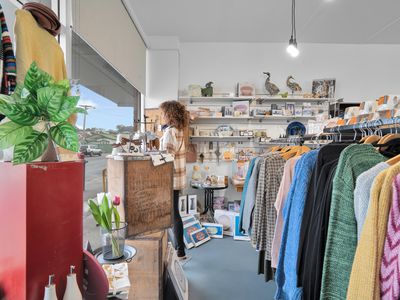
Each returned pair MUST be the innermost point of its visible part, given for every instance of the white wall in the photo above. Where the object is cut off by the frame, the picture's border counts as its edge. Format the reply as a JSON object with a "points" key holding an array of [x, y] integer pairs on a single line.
{"points": [[162, 76], [362, 72]]}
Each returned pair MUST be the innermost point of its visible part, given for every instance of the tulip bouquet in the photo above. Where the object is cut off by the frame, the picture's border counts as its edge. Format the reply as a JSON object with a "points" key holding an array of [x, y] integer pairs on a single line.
{"points": [[107, 217]]}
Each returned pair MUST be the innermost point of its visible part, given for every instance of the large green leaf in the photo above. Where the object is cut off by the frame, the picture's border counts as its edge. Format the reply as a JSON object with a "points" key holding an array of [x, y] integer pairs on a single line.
{"points": [[50, 99], [64, 84], [65, 135], [32, 78], [36, 79], [7, 99], [67, 108], [30, 148], [12, 134], [23, 114], [94, 208], [106, 212]]}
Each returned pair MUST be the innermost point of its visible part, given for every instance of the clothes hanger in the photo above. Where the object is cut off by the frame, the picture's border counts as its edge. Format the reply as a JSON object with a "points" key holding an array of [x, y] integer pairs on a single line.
{"points": [[390, 136], [276, 148], [364, 134], [393, 160]]}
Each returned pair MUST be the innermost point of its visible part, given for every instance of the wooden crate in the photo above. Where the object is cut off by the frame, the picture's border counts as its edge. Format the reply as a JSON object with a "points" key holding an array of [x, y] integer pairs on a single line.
{"points": [[146, 192], [146, 271]]}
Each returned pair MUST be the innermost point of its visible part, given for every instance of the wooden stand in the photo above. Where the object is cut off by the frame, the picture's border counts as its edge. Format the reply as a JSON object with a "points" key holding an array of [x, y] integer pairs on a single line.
{"points": [[146, 271], [41, 218], [146, 192]]}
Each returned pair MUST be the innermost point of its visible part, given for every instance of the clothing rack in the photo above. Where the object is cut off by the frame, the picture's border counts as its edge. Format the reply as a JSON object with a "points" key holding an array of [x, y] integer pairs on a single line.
{"points": [[380, 124]]}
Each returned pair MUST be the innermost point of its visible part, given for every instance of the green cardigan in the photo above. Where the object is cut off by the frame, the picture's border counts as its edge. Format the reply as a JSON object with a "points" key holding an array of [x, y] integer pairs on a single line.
{"points": [[341, 241]]}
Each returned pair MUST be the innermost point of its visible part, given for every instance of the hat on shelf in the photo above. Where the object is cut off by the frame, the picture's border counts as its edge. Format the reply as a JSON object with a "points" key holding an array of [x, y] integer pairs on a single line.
{"points": [[44, 16]]}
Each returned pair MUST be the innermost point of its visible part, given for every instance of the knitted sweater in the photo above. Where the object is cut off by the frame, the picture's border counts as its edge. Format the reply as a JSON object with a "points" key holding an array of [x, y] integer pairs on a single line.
{"points": [[342, 229], [390, 272], [286, 275], [362, 194], [364, 280]]}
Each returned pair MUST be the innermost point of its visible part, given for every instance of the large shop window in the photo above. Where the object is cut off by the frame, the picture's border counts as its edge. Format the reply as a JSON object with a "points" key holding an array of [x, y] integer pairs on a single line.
{"points": [[112, 105]]}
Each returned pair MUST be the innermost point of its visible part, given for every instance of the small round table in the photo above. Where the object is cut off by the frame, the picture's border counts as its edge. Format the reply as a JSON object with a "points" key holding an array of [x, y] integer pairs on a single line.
{"points": [[208, 195]]}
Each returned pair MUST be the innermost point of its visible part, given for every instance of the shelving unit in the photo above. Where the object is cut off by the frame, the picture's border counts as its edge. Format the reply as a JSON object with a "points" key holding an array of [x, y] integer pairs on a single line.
{"points": [[260, 119], [261, 98], [221, 138]]}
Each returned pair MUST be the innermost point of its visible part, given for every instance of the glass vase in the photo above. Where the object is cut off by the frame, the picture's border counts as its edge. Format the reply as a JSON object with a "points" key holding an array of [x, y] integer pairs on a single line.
{"points": [[113, 241]]}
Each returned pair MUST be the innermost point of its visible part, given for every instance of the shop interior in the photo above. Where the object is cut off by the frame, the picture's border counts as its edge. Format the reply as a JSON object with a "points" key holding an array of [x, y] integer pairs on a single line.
{"points": [[199, 149]]}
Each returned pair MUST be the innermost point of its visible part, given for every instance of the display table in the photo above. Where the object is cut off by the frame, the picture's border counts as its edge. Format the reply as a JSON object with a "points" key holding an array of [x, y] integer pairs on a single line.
{"points": [[208, 195]]}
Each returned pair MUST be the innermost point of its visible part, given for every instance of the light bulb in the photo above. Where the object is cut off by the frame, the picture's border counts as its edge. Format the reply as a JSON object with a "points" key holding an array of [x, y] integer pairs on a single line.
{"points": [[292, 50]]}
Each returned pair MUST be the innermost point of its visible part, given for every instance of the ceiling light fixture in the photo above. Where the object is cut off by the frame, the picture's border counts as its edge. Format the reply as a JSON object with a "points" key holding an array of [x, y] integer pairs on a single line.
{"points": [[292, 48]]}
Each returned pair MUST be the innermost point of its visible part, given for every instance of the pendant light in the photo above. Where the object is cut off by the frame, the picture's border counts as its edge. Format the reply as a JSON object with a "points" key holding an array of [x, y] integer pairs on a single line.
{"points": [[292, 48]]}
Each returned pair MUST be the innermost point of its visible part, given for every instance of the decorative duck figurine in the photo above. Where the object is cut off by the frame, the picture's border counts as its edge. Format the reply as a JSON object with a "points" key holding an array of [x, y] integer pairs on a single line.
{"points": [[208, 90], [269, 86], [292, 85]]}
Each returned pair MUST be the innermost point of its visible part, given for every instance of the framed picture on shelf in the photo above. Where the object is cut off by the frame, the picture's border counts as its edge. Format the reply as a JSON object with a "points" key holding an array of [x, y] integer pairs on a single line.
{"points": [[192, 204], [231, 206], [200, 237], [187, 231], [290, 109], [227, 111], [323, 88], [183, 206], [214, 230], [241, 108], [246, 90]]}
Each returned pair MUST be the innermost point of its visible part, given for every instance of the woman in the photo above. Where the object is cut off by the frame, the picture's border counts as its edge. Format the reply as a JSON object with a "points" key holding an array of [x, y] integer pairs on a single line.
{"points": [[176, 118]]}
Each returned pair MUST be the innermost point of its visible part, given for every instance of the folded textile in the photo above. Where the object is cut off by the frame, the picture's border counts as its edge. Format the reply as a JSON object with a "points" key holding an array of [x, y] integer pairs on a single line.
{"points": [[44, 16]]}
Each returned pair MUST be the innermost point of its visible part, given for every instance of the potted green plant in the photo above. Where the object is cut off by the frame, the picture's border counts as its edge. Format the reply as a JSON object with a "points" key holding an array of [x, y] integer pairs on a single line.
{"points": [[38, 113], [113, 230]]}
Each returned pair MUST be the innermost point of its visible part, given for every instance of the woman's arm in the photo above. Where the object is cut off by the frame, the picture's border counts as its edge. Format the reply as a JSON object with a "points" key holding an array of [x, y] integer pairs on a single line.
{"points": [[169, 142]]}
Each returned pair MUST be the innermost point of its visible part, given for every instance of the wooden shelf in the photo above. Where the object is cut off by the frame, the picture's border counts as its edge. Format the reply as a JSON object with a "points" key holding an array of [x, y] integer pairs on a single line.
{"points": [[258, 98], [271, 119], [222, 138]]}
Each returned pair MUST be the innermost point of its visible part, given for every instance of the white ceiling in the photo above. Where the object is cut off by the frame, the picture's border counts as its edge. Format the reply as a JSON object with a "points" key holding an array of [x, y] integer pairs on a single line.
{"points": [[318, 21]]}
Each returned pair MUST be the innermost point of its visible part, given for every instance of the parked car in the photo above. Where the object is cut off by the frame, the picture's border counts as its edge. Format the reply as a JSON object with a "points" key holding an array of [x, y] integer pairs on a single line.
{"points": [[90, 150]]}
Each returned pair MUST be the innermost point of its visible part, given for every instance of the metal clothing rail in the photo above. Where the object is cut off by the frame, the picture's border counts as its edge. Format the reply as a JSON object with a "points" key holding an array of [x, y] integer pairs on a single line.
{"points": [[365, 126]]}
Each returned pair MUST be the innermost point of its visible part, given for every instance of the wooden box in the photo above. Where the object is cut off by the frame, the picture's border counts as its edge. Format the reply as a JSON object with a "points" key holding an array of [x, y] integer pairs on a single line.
{"points": [[146, 192], [146, 271]]}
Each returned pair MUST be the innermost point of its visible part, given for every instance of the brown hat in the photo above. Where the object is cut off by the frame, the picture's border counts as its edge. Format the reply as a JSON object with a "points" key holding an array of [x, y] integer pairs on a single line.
{"points": [[44, 16]]}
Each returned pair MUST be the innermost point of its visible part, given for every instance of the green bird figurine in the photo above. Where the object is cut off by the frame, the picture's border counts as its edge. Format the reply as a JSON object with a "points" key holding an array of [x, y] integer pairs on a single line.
{"points": [[208, 90]]}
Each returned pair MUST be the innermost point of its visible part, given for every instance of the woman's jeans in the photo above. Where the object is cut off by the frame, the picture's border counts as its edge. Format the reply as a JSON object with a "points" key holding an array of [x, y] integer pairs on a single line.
{"points": [[178, 227]]}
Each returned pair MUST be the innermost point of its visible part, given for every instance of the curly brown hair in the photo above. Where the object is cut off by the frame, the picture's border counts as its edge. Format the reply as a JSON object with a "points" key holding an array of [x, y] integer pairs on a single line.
{"points": [[175, 114]]}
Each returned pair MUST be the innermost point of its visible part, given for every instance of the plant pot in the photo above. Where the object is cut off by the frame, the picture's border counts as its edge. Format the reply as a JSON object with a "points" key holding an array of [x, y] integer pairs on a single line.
{"points": [[113, 242]]}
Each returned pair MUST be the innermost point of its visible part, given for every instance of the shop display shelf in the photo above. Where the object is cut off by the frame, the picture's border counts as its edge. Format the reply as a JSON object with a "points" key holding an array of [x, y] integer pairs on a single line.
{"points": [[258, 98], [221, 138]]}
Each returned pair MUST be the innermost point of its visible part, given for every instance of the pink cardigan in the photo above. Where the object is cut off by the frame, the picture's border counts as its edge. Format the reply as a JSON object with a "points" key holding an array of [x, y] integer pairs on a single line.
{"points": [[287, 177], [390, 267]]}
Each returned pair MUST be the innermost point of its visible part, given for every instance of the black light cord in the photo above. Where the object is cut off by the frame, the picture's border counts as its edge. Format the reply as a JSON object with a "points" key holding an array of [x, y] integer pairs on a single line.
{"points": [[293, 35], [294, 18]]}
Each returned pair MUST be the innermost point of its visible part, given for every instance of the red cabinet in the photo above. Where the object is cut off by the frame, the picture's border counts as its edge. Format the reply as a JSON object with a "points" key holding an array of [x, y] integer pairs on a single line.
{"points": [[41, 218]]}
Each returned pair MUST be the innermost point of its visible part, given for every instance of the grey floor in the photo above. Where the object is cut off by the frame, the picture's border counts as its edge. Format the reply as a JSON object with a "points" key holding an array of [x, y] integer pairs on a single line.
{"points": [[223, 269]]}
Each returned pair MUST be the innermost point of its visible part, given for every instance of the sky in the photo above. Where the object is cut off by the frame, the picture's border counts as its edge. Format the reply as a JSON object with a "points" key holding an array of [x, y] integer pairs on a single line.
{"points": [[106, 115]]}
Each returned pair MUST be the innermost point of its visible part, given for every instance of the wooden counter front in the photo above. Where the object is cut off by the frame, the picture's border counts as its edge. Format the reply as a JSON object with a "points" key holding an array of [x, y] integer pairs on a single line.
{"points": [[146, 192]]}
